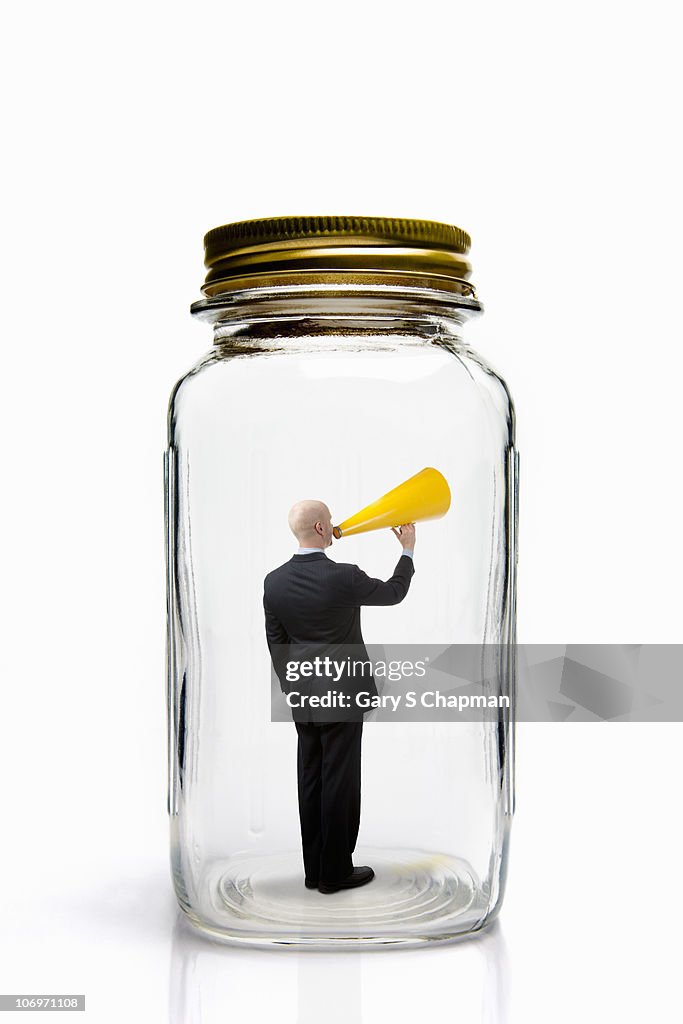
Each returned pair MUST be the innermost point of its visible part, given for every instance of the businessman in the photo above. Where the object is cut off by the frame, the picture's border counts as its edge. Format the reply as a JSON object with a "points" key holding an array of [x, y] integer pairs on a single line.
{"points": [[312, 599]]}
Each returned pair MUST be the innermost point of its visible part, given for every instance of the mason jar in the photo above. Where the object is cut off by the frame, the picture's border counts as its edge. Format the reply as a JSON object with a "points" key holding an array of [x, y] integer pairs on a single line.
{"points": [[338, 373]]}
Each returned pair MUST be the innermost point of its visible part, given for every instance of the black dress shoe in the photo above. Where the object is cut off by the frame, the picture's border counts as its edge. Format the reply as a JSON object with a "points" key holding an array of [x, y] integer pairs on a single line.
{"points": [[359, 876], [310, 885]]}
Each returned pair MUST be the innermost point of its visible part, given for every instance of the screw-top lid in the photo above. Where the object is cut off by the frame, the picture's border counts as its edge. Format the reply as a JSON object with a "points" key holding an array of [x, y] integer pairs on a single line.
{"points": [[283, 251]]}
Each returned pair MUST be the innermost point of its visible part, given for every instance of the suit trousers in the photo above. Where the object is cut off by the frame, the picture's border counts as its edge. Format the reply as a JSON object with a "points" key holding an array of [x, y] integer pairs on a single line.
{"points": [[328, 775]]}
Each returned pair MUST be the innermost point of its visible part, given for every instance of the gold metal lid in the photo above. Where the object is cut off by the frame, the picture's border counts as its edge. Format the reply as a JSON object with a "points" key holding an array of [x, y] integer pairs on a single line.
{"points": [[285, 251]]}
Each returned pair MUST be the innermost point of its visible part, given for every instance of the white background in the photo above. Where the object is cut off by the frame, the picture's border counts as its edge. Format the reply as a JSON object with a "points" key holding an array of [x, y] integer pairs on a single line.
{"points": [[551, 133]]}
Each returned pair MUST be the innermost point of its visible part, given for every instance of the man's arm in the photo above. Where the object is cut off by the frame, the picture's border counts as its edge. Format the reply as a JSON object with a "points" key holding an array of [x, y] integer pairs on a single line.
{"points": [[364, 590], [277, 637]]}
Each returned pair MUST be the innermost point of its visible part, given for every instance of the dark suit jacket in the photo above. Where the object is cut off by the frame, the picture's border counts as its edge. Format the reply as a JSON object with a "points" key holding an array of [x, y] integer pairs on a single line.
{"points": [[312, 605]]}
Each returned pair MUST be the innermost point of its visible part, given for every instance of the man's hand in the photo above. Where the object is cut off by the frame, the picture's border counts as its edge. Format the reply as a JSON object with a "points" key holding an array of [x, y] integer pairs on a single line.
{"points": [[405, 535]]}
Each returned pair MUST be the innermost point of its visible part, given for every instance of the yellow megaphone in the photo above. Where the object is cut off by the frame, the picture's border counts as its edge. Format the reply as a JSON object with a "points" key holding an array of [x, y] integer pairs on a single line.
{"points": [[424, 496]]}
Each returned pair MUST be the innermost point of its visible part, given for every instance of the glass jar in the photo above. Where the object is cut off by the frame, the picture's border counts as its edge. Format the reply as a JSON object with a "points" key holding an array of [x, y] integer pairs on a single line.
{"points": [[338, 371]]}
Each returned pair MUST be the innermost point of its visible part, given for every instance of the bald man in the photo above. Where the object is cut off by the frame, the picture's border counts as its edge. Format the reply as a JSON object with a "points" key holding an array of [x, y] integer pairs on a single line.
{"points": [[312, 599]]}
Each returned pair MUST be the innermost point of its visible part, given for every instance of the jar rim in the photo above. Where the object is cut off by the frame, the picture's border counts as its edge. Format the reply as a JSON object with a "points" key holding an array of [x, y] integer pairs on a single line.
{"points": [[378, 299]]}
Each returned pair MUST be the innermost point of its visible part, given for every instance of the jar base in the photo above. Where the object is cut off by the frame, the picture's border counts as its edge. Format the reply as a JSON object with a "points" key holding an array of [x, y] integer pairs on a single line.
{"points": [[416, 897]]}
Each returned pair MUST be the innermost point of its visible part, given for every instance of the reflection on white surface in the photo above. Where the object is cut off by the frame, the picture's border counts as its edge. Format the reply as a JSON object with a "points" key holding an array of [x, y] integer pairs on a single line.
{"points": [[211, 983]]}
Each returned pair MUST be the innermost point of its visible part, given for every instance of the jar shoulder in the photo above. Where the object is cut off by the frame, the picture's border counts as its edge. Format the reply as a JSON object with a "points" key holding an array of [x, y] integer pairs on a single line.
{"points": [[185, 386], [492, 384], [218, 373]]}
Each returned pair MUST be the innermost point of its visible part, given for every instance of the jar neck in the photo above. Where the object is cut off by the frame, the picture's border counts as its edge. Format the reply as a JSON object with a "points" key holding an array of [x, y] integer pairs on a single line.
{"points": [[323, 310]]}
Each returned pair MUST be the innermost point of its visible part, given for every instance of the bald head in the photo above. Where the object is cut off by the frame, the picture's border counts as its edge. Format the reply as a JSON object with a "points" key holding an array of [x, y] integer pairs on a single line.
{"points": [[311, 523]]}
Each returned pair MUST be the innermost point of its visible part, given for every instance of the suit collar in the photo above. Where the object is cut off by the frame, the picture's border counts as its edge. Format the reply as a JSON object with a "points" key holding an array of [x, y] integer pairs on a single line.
{"points": [[310, 557]]}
